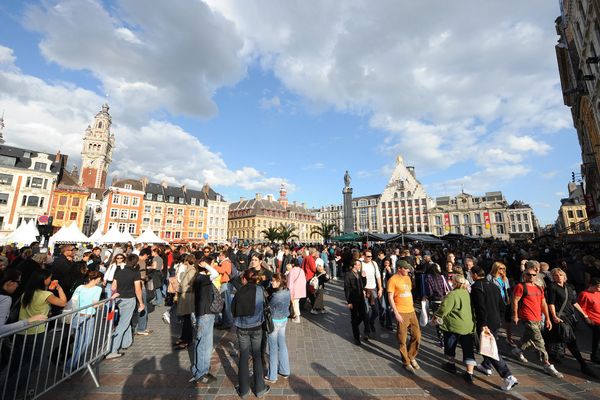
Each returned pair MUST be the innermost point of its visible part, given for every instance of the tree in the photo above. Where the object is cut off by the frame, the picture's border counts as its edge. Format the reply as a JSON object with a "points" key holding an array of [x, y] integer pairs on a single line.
{"points": [[271, 234], [286, 232], [326, 231]]}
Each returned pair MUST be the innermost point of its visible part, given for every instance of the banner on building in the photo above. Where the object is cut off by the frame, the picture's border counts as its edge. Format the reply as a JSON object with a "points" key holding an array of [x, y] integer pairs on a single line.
{"points": [[447, 222], [486, 219], [590, 206]]}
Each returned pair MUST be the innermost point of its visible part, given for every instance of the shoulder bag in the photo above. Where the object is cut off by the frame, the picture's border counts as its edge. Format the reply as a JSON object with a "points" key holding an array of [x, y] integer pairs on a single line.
{"points": [[268, 325]]}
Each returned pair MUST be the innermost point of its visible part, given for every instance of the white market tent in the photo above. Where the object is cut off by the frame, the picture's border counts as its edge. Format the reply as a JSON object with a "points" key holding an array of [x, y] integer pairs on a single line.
{"points": [[32, 226], [128, 236], [113, 236], [23, 235], [69, 234], [149, 237], [96, 236]]}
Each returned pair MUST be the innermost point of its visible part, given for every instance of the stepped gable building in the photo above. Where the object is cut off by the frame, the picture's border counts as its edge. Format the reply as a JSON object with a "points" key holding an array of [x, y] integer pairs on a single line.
{"points": [[27, 182], [572, 215], [247, 218], [96, 155], [404, 204], [522, 222], [69, 202]]}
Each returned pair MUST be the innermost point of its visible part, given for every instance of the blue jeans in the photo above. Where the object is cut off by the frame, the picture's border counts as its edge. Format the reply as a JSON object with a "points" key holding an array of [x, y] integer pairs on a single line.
{"points": [[84, 331], [142, 324], [122, 337], [159, 299], [279, 361], [203, 346], [499, 365], [451, 340], [226, 293], [334, 269], [250, 342]]}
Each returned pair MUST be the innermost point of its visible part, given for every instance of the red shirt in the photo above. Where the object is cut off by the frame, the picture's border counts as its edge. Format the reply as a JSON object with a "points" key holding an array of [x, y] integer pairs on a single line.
{"points": [[590, 304], [309, 266], [530, 306]]}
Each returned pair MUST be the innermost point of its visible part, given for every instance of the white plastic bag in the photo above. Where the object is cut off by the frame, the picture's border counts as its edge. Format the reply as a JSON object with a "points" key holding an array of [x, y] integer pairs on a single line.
{"points": [[424, 317], [487, 345]]}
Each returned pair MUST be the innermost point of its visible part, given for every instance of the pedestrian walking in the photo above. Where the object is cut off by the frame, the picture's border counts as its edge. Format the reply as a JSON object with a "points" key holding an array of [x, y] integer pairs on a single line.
{"points": [[354, 290]]}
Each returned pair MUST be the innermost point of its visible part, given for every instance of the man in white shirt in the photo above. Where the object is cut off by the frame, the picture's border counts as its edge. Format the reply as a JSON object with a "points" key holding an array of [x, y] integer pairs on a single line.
{"points": [[373, 288]]}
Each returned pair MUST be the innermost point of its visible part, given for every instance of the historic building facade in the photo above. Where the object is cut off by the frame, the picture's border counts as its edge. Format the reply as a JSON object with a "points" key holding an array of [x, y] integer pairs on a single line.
{"points": [[69, 202], [122, 206], [332, 214], [578, 56], [522, 221], [365, 213], [404, 204], [27, 182], [481, 216], [572, 214], [248, 218]]}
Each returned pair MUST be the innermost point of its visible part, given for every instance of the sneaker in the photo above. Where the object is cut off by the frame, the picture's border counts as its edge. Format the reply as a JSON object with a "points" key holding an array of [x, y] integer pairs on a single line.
{"points": [[483, 370], [283, 376], [296, 320], [415, 364], [271, 381], [112, 356], [519, 354], [323, 311], [550, 370], [468, 378], [509, 382], [314, 312], [206, 379], [143, 333], [264, 392], [449, 367], [166, 317], [409, 368]]}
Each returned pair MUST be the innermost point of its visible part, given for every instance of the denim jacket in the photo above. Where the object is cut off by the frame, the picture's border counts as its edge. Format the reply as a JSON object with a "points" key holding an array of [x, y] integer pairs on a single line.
{"points": [[280, 304], [256, 319]]}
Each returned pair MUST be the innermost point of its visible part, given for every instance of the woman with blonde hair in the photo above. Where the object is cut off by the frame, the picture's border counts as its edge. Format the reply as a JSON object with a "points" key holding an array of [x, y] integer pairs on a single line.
{"points": [[455, 318], [186, 274], [498, 277]]}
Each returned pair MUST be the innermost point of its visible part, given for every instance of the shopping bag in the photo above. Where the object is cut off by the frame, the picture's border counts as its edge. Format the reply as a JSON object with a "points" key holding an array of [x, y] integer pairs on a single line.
{"points": [[424, 317], [487, 345]]}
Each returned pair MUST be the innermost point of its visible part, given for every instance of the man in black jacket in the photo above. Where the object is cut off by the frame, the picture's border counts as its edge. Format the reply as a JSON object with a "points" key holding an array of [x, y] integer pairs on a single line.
{"points": [[355, 297], [287, 259], [63, 270], [487, 303]]}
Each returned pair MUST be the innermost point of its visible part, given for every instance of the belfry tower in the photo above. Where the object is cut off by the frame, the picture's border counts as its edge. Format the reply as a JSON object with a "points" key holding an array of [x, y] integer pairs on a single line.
{"points": [[96, 156]]}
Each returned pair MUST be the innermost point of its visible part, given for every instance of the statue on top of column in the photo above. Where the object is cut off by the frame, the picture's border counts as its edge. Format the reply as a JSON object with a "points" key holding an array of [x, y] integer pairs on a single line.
{"points": [[347, 179]]}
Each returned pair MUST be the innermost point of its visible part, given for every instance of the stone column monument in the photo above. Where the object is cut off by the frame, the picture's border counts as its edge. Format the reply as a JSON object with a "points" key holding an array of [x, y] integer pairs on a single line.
{"points": [[347, 192]]}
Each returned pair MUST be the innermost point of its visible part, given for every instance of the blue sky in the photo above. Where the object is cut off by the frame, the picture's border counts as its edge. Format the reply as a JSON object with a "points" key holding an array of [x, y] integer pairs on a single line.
{"points": [[246, 95]]}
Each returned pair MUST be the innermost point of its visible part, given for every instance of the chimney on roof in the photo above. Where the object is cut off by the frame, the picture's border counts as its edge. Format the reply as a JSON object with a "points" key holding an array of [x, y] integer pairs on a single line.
{"points": [[270, 197], [144, 181], [184, 188], [57, 157], [206, 189], [257, 196], [304, 205], [242, 198], [115, 178], [164, 184], [295, 203]]}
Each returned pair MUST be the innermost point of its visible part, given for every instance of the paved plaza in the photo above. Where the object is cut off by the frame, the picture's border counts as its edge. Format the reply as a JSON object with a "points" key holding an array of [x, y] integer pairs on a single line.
{"points": [[325, 365]]}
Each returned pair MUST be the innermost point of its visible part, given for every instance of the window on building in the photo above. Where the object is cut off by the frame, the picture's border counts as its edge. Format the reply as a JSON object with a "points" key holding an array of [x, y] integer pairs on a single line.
{"points": [[125, 200], [148, 196], [147, 209], [37, 183], [132, 228], [181, 200], [110, 225], [177, 235], [518, 217], [167, 235], [73, 216], [527, 228], [116, 199], [171, 199], [114, 212], [570, 214], [158, 210], [75, 202], [513, 228], [62, 201], [520, 227], [146, 221], [192, 213], [124, 214], [60, 215], [512, 217], [170, 211], [156, 221], [191, 224], [457, 229], [180, 211], [479, 230], [193, 201], [466, 219], [169, 221], [498, 217], [6, 179], [135, 201], [133, 214], [500, 229], [122, 227], [579, 213], [39, 166], [127, 186], [33, 201], [159, 197], [456, 219]]}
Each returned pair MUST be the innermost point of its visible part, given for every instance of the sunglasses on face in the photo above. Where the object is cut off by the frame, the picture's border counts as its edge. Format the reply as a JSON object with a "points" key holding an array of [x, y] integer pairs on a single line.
{"points": [[531, 274]]}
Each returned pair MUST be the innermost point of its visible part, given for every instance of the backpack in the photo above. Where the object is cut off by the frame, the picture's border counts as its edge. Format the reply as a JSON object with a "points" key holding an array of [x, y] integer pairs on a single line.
{"points": [[216, 303]]}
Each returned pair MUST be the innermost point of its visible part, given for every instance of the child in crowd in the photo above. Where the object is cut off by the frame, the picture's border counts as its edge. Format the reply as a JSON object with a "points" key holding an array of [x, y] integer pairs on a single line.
{"points": [[319, 307]]}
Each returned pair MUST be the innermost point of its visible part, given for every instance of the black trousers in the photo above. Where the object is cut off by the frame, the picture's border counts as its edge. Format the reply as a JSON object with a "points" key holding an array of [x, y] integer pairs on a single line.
{"points": [[358, 315], [187, 332]]}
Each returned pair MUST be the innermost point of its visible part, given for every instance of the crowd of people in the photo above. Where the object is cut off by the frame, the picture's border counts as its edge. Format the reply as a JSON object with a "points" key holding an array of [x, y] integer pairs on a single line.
{"points": [[469, 289]]}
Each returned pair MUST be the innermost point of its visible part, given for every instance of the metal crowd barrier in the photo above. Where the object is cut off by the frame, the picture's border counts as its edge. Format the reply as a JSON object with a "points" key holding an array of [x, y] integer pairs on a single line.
{"points": [[32, 364]]}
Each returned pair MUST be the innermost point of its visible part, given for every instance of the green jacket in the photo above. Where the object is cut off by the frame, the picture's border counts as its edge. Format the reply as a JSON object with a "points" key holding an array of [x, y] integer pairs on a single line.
{"points": [[456, 313]]}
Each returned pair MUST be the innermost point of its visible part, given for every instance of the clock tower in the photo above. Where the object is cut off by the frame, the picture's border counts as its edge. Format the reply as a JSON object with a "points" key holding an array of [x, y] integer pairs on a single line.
{"points": [[96, 156]]}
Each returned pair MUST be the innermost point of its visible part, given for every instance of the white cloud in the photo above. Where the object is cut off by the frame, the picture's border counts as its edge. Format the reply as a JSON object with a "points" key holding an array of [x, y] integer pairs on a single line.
{"points": [[6, 55], [527, 144], [157, 149], [267, 103], [486, 179]]}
